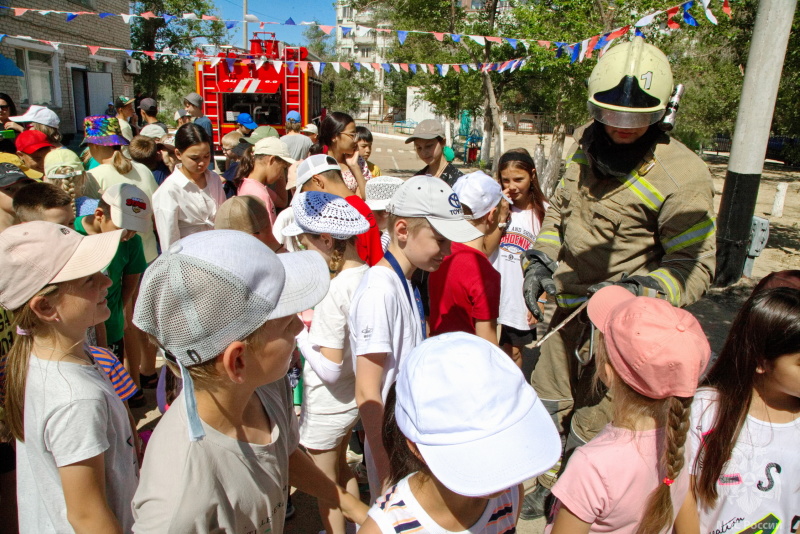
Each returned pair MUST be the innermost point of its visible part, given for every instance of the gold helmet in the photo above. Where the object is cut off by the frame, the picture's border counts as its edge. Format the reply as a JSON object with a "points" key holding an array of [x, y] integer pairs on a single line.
{"points": [[630, 85]]}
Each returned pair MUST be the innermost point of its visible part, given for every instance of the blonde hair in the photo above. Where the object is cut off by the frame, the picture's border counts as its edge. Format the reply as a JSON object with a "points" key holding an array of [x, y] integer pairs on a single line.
{"points": [[53, 135], [415, 224], [72, 185], [671, 413], [122, 164], [231, 139]]}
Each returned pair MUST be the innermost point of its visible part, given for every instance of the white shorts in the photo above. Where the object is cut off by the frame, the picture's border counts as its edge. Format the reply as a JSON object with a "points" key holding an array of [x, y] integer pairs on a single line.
{"points": [[325, 432]]}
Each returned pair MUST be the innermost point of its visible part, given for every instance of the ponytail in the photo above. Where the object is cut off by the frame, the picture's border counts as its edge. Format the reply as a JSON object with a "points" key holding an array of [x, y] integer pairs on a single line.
{"points": [[659, 512], [247, 163], [337, 257], [122, 164]]}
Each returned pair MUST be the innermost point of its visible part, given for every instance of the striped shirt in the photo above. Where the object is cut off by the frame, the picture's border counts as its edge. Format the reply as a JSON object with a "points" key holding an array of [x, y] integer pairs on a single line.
{"points": [[398, 512], [120, 379]]}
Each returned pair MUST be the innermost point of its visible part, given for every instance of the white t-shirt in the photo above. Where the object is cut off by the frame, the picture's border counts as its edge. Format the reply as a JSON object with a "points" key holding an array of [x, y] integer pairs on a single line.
{"points": [[759, 484], [329, 329], [519, 236], [217, 484], [71, 414], [383, 321]]}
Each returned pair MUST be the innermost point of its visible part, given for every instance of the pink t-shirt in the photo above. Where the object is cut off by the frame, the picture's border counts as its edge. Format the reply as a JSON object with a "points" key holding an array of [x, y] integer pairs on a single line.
{"points": [[259, 190], [609, 480]]}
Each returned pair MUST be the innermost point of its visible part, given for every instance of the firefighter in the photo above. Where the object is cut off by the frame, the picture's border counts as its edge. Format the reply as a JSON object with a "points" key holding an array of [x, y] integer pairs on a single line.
{"points": [[634, 208]]}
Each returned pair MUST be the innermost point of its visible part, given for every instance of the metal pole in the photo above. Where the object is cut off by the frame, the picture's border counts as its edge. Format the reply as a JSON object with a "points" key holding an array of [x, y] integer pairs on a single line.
{"points": [[245, 45], [759, 92]]}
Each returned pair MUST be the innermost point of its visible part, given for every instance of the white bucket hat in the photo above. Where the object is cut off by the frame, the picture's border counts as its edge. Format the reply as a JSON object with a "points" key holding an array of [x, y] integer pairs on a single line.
{"points": [[432, 198], [477, 423], [316, 212], [380, 190]]}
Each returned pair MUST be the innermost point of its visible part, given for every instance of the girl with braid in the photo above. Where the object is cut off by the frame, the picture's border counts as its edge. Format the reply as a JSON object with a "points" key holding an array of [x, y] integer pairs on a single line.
{"points": [[632, 478], [746, 424], [328, 224]]}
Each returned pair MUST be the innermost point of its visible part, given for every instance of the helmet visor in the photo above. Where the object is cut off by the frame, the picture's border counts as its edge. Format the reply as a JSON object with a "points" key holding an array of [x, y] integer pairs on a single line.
{"points": [[624, 119]]}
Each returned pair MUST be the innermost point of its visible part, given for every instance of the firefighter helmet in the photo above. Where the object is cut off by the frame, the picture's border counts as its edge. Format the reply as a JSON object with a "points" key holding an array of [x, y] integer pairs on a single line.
{"points": [[630, 85]]}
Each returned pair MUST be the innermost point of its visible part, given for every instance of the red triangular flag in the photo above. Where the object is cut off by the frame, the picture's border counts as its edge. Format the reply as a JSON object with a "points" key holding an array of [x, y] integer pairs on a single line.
{"points": [[590, 45], [148, 15], [404, 67], [377, 66], [494, 39], [457, 67], [209, 17], [345, 65], [19, 11], [726, 8], [671, 12], [430, 68], [543, 44], [326, 29], [93, 49], [619, 33], [303, 66], [439, 36], [151, 55]]}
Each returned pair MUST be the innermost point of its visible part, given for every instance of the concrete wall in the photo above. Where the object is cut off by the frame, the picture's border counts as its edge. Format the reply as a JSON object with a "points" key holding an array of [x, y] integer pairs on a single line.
{"points": [[86, 29]]}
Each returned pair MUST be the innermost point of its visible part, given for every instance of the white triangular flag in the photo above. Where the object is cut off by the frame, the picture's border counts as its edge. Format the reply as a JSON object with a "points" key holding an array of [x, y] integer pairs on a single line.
{"points": [[396, 66], [215, 61], [445, 69], [478, 39], [582, 55], [336, 67], [126, 18], [260, 62], [315, 66], [278, 65]]}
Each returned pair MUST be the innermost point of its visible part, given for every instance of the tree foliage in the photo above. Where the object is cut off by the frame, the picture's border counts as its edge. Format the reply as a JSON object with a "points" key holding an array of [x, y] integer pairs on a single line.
{"points": [[178, 35]]}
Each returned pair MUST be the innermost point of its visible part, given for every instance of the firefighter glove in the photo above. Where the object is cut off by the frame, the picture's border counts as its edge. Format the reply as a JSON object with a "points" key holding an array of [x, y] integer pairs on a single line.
{"points": [[538, 271], [641, 286]]}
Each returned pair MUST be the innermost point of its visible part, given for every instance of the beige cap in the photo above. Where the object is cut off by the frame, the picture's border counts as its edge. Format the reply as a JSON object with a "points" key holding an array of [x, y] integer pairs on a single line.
{"points": [[61, 157], [131, 208], [36, 254], [272, 146], [427, 129], [245, 213]]}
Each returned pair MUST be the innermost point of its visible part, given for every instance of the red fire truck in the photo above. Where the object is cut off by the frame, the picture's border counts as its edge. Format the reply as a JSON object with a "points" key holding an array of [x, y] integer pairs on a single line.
{"points": [[250, 83]]}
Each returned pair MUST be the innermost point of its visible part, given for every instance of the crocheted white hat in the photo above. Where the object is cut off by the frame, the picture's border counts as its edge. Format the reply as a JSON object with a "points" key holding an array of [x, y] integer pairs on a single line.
{"points": [[316, 212], [379, 191]]}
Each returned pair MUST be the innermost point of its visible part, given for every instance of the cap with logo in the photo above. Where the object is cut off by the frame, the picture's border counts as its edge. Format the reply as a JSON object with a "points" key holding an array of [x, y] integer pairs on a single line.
{"points": [[379, 191], [244, 213], [272, 146], [427, 129], [13, 159], [153, 131], [463, 402], [67, 255], [316, 212], [30, 141], [262, 132], [210, 289], [10, 174], [313, 165], [123, 101], [432, 198], [310, 128], [479, 192], [39, 115], [149, 105], [246, 120], [293, 116], [62, 157], [657, 349], [130, 207]]}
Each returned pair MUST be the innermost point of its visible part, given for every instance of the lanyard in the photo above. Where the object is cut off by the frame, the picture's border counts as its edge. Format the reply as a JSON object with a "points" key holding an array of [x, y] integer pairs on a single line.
{"points": [[396, 266]]}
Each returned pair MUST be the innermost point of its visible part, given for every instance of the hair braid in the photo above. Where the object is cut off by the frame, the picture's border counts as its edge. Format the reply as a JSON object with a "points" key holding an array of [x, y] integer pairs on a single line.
{"points": [[659, 512], [337, 257]]}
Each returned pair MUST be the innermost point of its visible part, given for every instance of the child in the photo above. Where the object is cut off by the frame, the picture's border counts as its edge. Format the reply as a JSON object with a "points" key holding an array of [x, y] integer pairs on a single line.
{"points": [[41, 201], [12, 179], [229, 142], [32, 147], [465, 290], [249, 215], [745, 424], [517, 175], [650, 355], [76, 460], [338, 134], [193, 104], [364, 144], [327, 224], [65, 169], [223, 308], [145, 150], [386, 315], [429, 141], [463, 433], [297, 143], [188, 199], [379, 192], [262, 167]]}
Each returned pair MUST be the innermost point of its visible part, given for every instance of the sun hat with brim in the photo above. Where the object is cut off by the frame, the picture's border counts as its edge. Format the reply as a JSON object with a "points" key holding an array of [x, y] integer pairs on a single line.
{"points": [[17, 162], [463, 402], [210, 289], [657, 349], [427, 129], [316, 212], [39, 115], [36, 254], [262, 132], [379, 191], [103, 130], [272, 146], [61, 157], [433, 199], [194, 99]]}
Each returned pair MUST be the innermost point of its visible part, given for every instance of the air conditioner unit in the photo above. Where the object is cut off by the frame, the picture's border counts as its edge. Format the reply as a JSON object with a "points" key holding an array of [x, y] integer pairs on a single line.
{"points": [[132, 66]]}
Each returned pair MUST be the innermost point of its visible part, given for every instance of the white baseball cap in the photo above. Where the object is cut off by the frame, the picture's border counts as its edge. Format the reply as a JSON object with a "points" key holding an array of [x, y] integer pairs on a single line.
{"points": [[379, 191], [153, 131], [479, 192], [272, 146], [432, 198], [39, 115], [310, 128], [130, 207], [477, 423], [316, 212], [313, 165]]}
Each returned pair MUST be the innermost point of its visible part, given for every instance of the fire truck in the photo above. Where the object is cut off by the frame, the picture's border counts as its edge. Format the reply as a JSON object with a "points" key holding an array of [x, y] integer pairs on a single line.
{"points": [[248, 82]]}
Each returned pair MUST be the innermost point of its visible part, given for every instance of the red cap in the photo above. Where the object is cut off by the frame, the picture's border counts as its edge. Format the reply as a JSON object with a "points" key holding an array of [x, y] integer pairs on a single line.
{"points": [[657, 349], [30, 141]]}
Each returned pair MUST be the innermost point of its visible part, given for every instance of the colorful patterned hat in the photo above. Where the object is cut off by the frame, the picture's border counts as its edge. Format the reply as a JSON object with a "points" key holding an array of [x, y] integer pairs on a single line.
{"points": [[103, 130]]}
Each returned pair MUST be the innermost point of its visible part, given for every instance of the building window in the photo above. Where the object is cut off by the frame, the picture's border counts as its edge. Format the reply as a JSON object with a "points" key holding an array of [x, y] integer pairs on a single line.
{"points": [[38, 84], [347, 13], [366, 51]]}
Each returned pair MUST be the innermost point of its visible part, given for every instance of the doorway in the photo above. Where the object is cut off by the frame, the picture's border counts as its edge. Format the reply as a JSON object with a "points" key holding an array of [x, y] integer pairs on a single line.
{"points": [[91, 93]]}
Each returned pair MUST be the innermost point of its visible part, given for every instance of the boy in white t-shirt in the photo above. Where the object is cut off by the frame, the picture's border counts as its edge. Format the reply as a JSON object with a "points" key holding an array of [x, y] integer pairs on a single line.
{"points": [[386, 318], [223, 307]]}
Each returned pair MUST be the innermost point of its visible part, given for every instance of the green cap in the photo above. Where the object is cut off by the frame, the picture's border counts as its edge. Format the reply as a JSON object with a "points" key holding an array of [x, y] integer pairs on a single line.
{"points": [[260, 133]]}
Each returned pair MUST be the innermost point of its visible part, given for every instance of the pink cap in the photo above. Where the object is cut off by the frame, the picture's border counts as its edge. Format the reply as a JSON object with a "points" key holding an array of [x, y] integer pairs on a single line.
{"points": [[657, 349]]}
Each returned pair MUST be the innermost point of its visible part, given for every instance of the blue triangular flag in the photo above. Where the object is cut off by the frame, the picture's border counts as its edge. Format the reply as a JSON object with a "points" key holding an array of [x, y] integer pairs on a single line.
{"points": [[401, 36], [386, 67], [71, 17], [412, 67], [687, 17], [639, 33], [229, 62], [576, 52], [559, 49], [601, 42], [321, 68], [129, 52], [345, 30], [439, 68], [465, 67], [512, 42], [104, 15], [455, 37], [168, 18], [290, 66], [290, 22], [230, 24], [357, 66]]}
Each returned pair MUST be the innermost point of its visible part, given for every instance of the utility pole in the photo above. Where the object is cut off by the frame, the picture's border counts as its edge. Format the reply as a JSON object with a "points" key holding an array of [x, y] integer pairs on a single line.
{"points": [[759, 92], [245, 44]]}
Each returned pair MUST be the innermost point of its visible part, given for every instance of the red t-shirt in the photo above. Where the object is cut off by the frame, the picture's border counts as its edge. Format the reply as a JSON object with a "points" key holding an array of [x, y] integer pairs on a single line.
{"points": [[368, 245], [465, 289]]}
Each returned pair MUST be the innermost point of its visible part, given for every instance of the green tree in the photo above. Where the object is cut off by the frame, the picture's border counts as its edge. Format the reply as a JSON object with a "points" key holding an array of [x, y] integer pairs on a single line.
{"points": [[178, 35]]}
